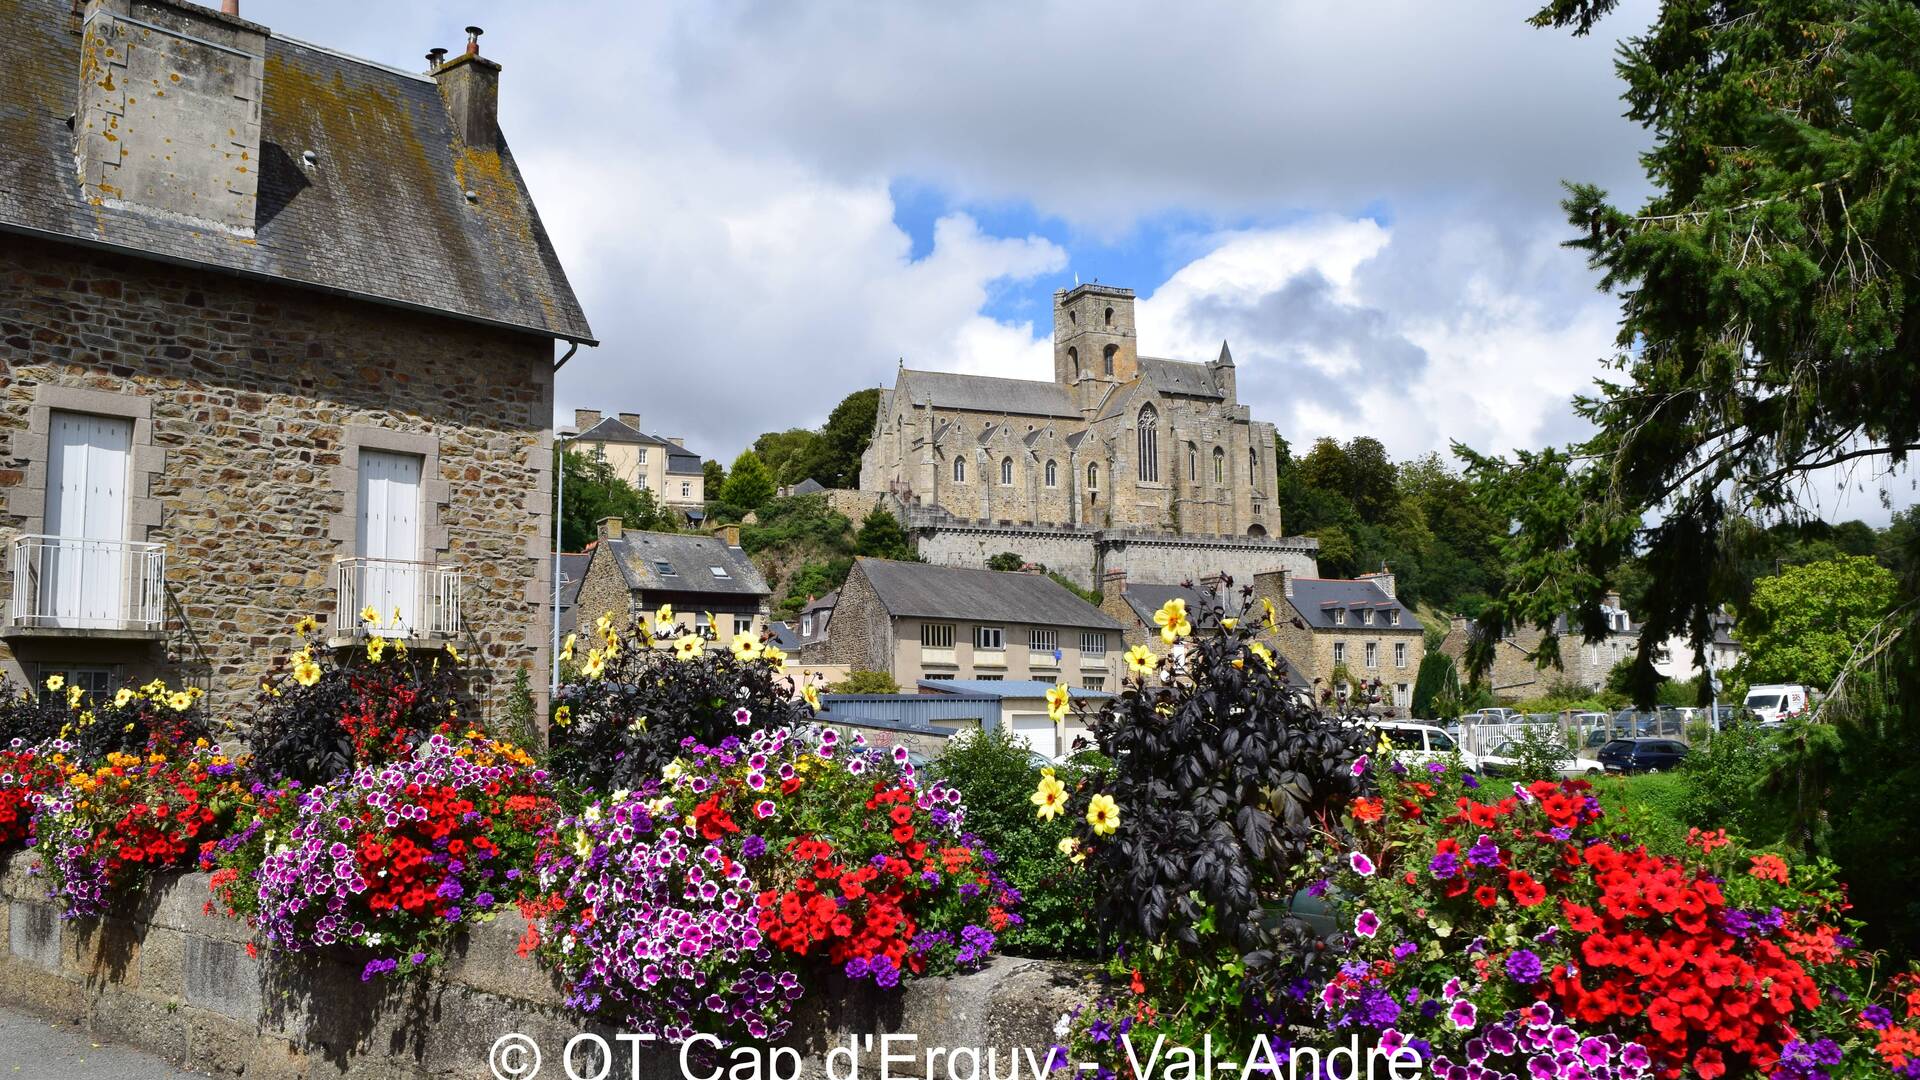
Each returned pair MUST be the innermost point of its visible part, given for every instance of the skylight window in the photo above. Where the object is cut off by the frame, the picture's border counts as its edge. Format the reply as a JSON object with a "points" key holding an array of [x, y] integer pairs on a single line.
{"points": [[664, 568], [720, 572]]}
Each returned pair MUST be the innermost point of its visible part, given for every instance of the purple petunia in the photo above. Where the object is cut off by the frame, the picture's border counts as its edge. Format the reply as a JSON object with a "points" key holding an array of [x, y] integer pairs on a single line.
{"points": [[1361, 864], [1366, 924], [1524, 967]]}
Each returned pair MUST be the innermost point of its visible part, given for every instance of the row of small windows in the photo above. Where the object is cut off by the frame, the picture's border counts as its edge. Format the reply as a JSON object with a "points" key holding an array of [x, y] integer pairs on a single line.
{"points": [[1149, 462], [1006, 472], [1106, 358], [1074, 317], [1372, 654], [993, 638]]}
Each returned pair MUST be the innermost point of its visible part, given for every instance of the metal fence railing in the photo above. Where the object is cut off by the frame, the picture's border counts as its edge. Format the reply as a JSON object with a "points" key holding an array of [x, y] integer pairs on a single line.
{"points": [[1583, 732], [72, 581], [409, 599]]}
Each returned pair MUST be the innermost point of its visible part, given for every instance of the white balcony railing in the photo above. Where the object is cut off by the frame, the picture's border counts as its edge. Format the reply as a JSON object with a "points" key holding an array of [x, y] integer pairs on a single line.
{"points": [[71, 582], [413, 599]]}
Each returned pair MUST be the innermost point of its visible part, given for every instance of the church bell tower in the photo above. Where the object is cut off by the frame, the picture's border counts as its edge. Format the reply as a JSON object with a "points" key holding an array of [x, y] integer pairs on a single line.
{"points": [[1093, 340]]}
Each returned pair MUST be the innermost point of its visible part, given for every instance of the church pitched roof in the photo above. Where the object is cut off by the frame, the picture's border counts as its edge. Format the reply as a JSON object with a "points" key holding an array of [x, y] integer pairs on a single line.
{"points": [[1179, 377], [986, 393]]}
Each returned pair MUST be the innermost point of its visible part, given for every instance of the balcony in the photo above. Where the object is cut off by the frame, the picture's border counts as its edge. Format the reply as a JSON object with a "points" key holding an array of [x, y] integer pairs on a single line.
{"points": [[417, 601], [70, 586]]}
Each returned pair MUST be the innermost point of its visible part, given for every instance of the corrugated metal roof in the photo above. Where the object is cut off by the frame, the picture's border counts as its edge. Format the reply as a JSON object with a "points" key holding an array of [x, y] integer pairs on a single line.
{"points": [[922, 591], [381, 215]]}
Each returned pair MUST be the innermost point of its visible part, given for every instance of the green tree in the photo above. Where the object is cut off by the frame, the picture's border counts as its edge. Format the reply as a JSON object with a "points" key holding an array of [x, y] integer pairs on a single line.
{"points": [[748, 484], [592, 491], [1802, 624], [714, 474], [812, 580], [1437, 676], [845, 435], [881, 537], [1337, 555], [1007, 561]]}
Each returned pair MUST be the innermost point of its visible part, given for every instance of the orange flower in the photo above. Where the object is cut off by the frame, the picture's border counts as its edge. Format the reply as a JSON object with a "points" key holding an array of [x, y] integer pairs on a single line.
{"points": [[1769, 868], [1367, 810]]}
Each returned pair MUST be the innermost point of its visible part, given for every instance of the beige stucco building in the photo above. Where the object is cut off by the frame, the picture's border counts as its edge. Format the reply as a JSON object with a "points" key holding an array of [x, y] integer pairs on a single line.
{"points": [[277, 342], [660, 464], [916, 621]]}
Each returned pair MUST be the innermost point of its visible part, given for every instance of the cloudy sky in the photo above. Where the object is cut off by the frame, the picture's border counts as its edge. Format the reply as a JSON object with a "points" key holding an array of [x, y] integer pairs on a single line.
{"points": [[765, 205]]}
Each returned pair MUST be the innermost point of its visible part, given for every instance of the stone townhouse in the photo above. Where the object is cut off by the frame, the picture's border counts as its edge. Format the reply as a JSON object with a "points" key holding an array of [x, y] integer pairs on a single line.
{"points": [[279, 333], [1516, 672], [1134, 603], [708, 581], [1356, 625], [917, 621], [660, 464]]}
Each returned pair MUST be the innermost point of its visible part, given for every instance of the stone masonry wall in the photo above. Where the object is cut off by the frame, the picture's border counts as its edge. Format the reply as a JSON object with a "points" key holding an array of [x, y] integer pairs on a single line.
{"points": [[162, 975], [257, 398]]}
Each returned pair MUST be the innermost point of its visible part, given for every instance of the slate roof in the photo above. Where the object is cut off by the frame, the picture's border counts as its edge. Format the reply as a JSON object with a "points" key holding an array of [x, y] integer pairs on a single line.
{"points": [[985, 393], [922, 591], [826, 601], [1179, 377], [680, 460], [1317, 598], [573, 572], [1145, 598], [809, 486], [785, 636], [1003, 688], [637, 554], [382, 215]]}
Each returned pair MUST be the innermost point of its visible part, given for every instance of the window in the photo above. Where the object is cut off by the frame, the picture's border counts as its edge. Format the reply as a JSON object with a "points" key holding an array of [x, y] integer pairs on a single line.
{"points": [[1373, 656], [1073, 359], [1149, 445], [990, 678], [1093, 682], [686, 489], [937, 677], [1093, 643], [1366, 616], [992, 638], [83, 578], [389, 537], [936, 635], [1193, 463], [1438, 740], [664, 568], [1043, 641], [1339, 616], [1219, 466], [959, 470], [720, 572], [643, 455], [742, 625], [1106, 358], [1339, 652], [1401, 695], [1006, 472], [95, 682], [1400, 654], [1253, 466], [1402, 739], [1093, 478], [1109, 317], [1053, 474], [806, 626], [1393, 617]]}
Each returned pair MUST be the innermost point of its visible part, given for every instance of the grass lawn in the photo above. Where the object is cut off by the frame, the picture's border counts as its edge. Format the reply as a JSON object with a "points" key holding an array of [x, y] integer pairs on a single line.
{"points": [[1652, 807]]}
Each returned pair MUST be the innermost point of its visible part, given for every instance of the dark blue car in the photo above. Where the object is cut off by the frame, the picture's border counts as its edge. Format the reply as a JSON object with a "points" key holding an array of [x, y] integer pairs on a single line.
{"points": [[1641, 755]]}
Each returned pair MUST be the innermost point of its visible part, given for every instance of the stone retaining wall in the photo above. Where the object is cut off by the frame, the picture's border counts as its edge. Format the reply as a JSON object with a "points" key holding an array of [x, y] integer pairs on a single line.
{"points": [[164, 976]]}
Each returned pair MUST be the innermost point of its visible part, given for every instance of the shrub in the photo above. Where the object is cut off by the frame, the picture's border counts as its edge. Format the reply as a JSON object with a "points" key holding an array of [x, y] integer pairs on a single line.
{"points": [[642, 692], [694, 903], [995, 776], [104, 830], [129, 722], [317, 716], [1221, 773], [394, 858], [1724, 774], [865, 682]]}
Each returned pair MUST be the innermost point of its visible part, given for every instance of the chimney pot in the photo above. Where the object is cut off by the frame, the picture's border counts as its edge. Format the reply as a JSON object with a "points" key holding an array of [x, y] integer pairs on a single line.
{"points": [[631, 419], [435, 57], [610, 528], [470, 86], [230, 7], [473, 40], [585, 418]]}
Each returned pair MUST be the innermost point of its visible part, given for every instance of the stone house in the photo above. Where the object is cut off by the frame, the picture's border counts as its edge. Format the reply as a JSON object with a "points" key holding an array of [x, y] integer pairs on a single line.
{"points": [[279, 336], [660, 464], [916, 621], [1516, 673], [708, 580], [1356, 625]]}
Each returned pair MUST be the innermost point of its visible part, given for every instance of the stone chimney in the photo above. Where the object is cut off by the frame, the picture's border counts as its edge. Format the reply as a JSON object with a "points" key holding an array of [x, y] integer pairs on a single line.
{"points": [[610, 528], [727, 534], [631, 419], [1286, 582], [585, 418], [678, 440], [470, 87], [1383, 578], [1113, 587], [169, 111]]}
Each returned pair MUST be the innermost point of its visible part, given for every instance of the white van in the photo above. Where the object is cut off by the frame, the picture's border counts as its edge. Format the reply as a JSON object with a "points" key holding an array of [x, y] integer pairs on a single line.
{"points": [[1774, 702], [1418, 744]]}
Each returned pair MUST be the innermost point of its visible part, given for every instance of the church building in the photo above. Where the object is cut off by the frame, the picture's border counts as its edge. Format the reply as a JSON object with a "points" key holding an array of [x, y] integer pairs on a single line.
{"points": [[1115, 441]]}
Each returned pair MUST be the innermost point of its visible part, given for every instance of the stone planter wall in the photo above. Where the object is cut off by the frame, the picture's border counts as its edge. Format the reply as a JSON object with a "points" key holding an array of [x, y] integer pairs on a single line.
{"points": [[162, 975]]}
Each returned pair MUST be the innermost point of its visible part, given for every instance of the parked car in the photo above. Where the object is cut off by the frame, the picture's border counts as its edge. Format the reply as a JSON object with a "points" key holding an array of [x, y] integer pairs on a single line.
{"points": [[1772, 703], [1419, 744], [1642, 755], [1493, 716], [1503, 757]]}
